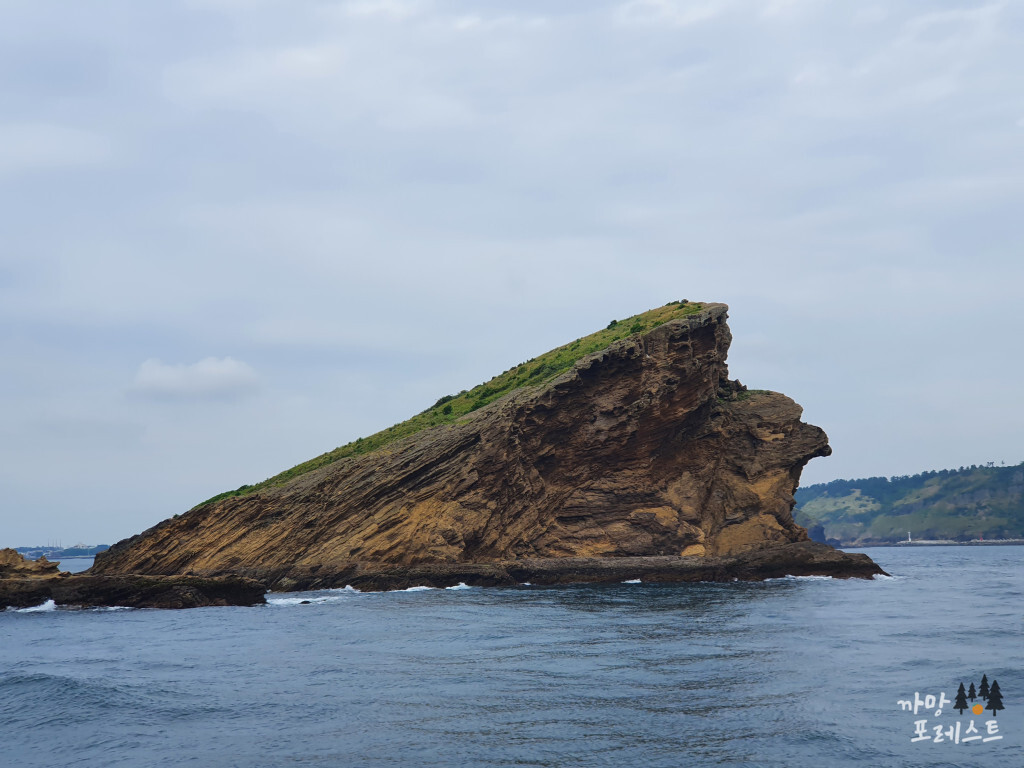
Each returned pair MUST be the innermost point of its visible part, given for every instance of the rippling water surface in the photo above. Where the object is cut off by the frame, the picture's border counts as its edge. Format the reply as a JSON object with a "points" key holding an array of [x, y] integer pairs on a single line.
{"points": [[791, 672]]}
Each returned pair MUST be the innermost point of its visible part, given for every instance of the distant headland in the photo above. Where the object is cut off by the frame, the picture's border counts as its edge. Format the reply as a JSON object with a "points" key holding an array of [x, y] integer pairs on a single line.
{"points": [[970, 505]]}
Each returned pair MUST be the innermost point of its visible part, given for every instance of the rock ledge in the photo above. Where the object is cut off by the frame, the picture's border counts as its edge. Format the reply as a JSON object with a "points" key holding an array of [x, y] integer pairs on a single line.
{"points": [[131, 591], [805, 558]]}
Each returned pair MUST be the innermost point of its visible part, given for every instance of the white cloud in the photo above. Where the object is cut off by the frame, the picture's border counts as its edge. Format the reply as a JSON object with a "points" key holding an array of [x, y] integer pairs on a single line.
{"points": [[35, 146], [210, 377], [391, 9], [681, 14], [782, 7], [375, 203]]}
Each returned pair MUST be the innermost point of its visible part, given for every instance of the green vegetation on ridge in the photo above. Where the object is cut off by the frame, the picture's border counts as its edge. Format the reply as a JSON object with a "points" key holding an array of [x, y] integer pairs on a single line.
{"points": [[957, 504], [448, 409]]}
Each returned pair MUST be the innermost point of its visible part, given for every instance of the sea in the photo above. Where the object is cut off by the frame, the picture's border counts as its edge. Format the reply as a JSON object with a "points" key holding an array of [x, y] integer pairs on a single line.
{"points": [[788, 672]]}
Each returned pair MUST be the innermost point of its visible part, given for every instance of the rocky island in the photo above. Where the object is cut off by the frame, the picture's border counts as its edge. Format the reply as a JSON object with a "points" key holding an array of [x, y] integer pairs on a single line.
{"points": [[629, 453]]}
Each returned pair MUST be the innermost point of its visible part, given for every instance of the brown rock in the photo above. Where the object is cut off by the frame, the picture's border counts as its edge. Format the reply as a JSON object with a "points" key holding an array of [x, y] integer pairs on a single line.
{"points": [[645, 449], [13, 564]]}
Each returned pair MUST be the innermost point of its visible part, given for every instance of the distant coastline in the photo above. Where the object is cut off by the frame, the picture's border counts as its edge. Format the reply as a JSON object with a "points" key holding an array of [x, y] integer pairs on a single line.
{"points": [[939, 543], [62, 553], [970, 505]]}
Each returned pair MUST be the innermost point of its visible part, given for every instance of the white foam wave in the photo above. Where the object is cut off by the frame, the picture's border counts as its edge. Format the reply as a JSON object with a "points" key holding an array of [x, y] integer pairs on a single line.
{"points": [[802, 578], [337, 595], [49, 605], [526, 584], [311, 600], [883, 577], [632, 581], [415, 589], [460, 585]]}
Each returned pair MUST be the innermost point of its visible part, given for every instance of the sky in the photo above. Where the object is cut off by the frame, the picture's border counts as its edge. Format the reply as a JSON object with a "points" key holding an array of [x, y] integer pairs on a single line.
{"points": [[238, 233]]}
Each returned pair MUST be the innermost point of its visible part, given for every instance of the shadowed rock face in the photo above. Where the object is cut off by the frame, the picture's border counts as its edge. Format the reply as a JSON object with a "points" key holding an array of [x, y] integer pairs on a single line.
{"points": [[130, 591], [643, 449]]}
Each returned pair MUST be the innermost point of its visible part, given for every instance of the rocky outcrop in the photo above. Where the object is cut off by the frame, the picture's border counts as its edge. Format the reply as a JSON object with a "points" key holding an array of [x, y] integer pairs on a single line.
{"points": [[803, 558], [26, 583], [645, 449], [13, 564], [131, 591]]}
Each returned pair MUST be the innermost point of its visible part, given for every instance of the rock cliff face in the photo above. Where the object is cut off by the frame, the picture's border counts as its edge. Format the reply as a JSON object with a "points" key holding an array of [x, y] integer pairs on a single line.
{"points": [[644, 449]]}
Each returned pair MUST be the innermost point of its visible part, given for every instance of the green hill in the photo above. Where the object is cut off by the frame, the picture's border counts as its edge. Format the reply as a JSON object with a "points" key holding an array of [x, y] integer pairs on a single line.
{"points": [[450, 408], [960, 504]]}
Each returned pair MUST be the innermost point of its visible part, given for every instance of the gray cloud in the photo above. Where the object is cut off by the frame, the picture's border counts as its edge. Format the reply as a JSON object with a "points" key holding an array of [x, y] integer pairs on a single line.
{"points": [[25, 147], [376, 203], [210, 377]]}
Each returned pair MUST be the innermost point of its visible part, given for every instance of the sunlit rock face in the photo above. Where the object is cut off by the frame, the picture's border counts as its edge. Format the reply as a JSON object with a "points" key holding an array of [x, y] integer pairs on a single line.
{"points": [[645, 448]]}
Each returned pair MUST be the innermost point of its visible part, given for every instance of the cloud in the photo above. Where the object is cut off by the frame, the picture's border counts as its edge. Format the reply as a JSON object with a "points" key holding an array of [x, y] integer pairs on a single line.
{"points": [[35, 146], [671, 11], [211, 377], [375, 202], [388, 8]]}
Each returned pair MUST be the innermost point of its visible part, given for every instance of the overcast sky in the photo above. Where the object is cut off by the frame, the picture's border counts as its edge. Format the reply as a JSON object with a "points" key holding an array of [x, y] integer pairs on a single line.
{"points": [[238, 233]]}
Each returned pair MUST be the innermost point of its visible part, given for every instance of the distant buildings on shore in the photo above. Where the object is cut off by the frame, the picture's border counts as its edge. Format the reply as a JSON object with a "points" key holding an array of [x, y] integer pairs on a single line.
{"points": [[59, 553]]}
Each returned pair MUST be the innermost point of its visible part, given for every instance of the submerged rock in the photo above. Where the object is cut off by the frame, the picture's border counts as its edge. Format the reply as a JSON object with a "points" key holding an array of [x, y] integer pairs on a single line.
{"points": [[643, 451]]}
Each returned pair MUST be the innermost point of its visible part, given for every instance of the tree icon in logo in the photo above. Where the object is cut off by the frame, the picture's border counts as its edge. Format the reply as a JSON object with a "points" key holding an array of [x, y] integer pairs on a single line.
{"points": [[995, 698], [971, 693], [983, 691], [961, 699]]}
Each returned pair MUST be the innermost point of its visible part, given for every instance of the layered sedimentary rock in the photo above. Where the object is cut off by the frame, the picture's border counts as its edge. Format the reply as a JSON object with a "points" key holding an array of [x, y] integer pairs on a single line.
{"points": [[644, 449]]}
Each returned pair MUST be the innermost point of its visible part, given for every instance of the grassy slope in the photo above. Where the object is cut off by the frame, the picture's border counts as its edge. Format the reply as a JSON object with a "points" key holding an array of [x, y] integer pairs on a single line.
{"points": [[948, 504], [448, 409]]}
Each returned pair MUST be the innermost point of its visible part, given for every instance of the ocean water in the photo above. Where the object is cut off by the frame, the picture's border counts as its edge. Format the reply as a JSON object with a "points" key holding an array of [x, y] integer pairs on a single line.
{"points": [[75, 564], [789, 672]]}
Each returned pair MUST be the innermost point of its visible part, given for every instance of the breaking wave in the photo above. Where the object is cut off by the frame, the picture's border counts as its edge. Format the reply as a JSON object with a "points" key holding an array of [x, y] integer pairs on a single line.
{"points": [[49, 605]]}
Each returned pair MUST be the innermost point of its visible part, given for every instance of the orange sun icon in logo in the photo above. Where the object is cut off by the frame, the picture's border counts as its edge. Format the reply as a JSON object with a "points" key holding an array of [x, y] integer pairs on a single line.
{"points": [[977, 709]]}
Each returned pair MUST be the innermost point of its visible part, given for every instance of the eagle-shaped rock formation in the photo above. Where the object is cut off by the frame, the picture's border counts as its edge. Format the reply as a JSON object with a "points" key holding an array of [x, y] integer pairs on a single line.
{"points": [[643, 456]]}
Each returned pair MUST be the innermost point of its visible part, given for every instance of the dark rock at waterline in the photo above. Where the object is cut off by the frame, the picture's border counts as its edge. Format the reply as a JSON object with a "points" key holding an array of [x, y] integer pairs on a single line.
{"points": [[805, 558], [131, 591]]}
